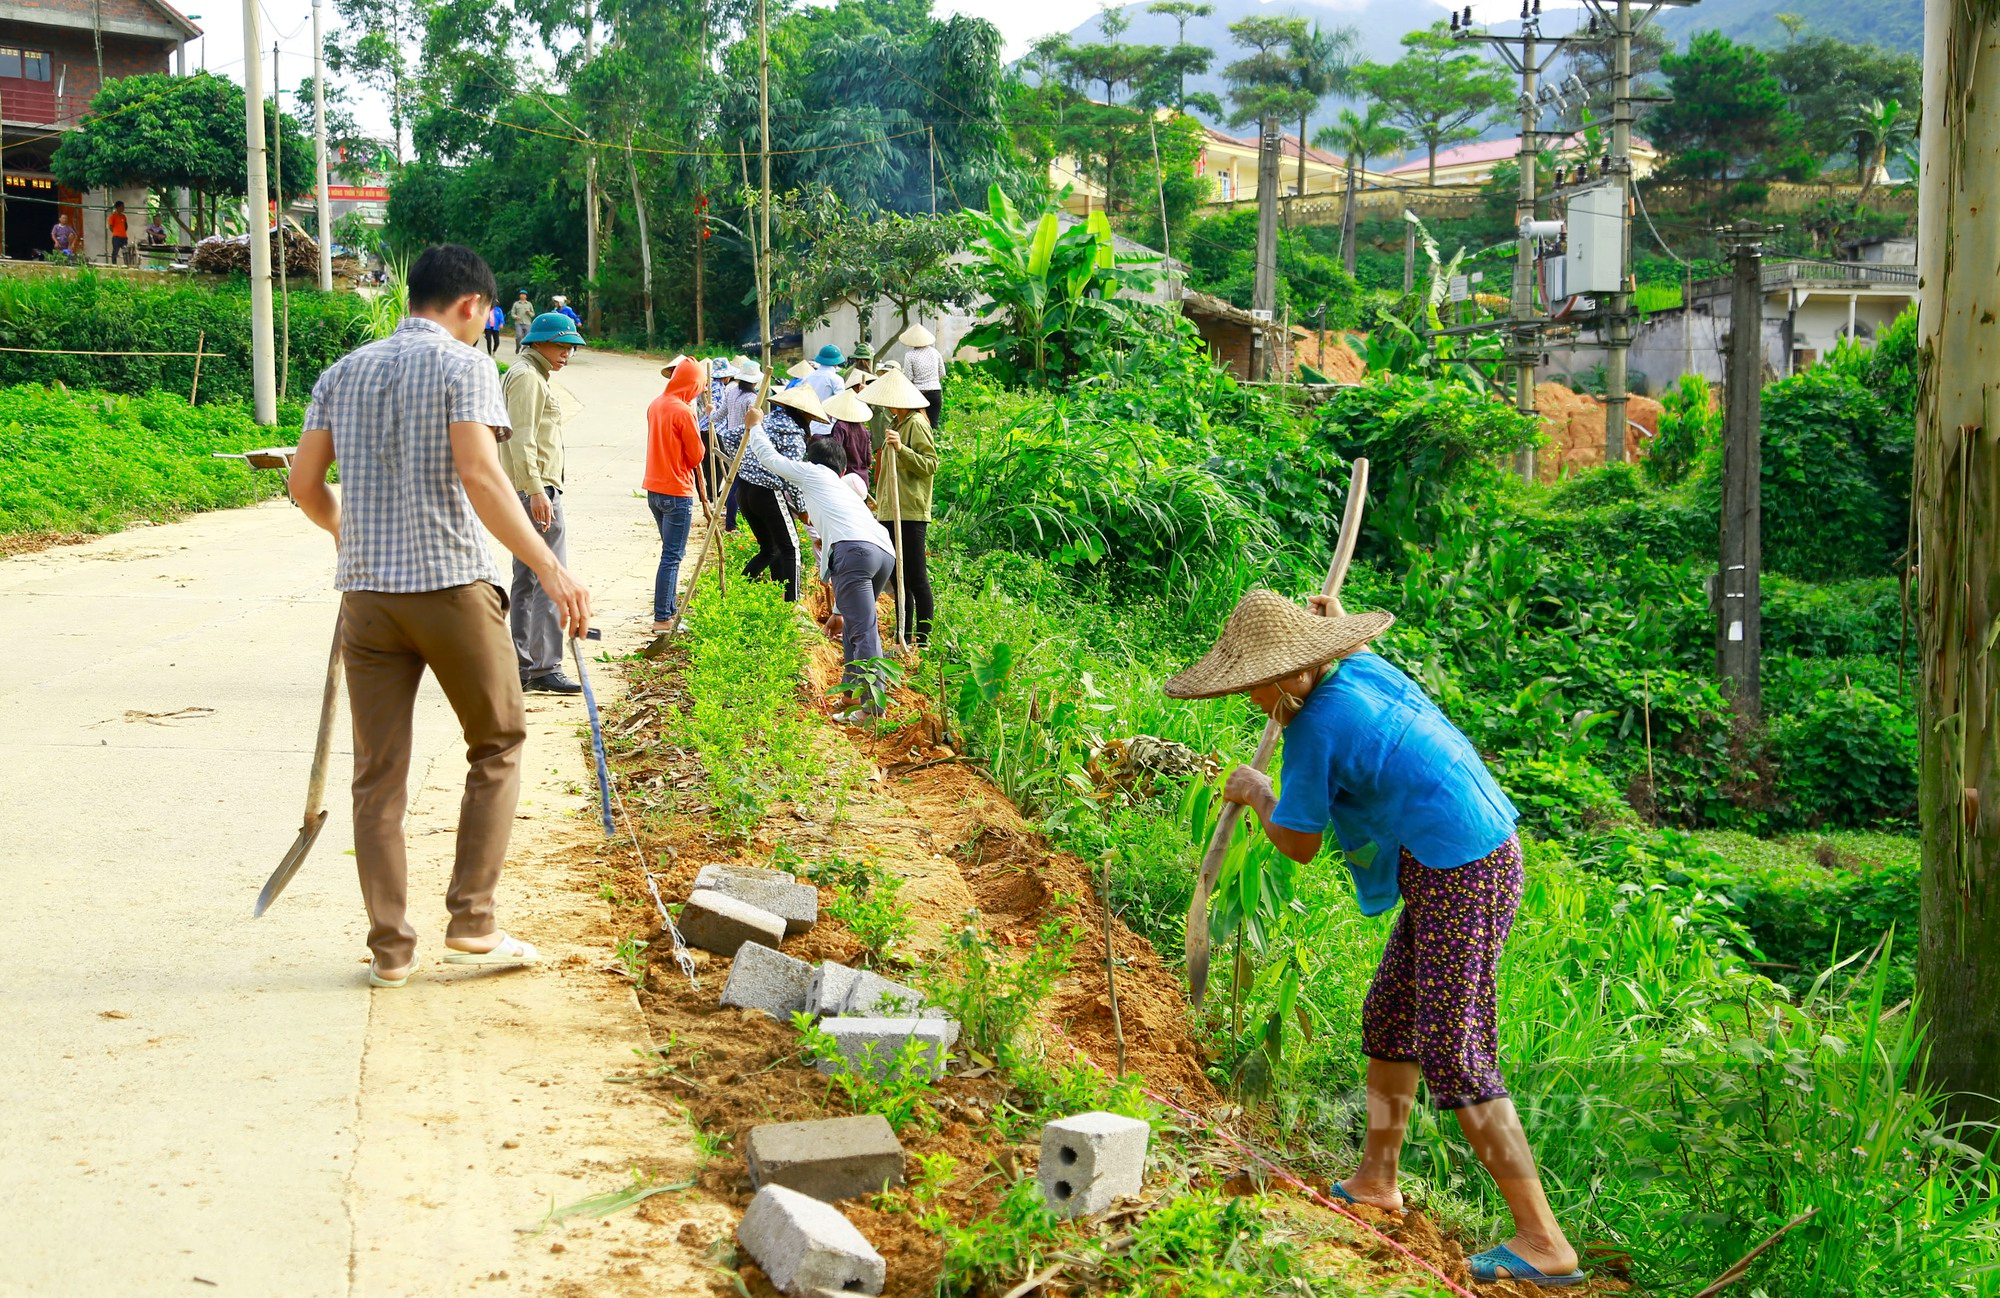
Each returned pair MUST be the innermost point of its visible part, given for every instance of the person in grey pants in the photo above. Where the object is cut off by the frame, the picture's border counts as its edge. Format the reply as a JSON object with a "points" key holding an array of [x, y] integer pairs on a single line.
{"points": [[855, 557], [533, 458]]}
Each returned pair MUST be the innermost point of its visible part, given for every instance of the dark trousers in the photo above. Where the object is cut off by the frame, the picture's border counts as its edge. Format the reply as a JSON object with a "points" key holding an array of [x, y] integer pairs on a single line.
{"points": [[770, 517], [492, 341], [673, 515], [735, 505], [386, 642], [934, 398], [536, 623], [858, 573], [916, 583]]}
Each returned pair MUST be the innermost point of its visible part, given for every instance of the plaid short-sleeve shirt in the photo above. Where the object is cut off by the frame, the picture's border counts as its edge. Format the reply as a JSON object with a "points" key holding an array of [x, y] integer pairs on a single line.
{"points": [[406, 524]]}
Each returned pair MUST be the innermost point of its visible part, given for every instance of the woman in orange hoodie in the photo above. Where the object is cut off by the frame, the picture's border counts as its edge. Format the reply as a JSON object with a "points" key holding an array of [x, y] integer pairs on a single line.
{"points": [[673, 453]]}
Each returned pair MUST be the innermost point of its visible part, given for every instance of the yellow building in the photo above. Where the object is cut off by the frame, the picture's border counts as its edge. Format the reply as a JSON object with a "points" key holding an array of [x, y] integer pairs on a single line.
{"points": [[1472, 164]]}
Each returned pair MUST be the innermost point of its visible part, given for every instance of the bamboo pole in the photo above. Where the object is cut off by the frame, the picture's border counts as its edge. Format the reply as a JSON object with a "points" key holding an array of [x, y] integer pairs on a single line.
{"points": [[896, 537], [194, 390], [1225, 828]]}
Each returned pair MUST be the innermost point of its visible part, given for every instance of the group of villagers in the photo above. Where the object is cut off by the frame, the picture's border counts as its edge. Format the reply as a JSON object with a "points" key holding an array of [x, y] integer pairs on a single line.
{"points": [[840, 444], [1412, 807]]}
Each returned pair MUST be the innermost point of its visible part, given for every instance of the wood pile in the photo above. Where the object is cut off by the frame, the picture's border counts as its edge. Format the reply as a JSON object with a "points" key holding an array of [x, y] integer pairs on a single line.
{"points": [[218, 256]]}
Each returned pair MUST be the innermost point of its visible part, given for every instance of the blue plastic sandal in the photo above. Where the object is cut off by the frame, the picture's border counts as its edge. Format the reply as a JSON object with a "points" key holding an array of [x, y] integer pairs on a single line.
{"points": [[1335, 1190], [1488, 1265]]}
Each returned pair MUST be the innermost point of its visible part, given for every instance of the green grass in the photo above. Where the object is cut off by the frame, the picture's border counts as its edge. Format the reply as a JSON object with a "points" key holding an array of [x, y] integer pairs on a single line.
{"points": [[97, 462]]}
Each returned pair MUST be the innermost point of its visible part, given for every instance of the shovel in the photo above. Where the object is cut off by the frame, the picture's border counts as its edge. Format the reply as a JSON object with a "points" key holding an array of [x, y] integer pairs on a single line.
{"points": [[315, 817], [1225, 828]]}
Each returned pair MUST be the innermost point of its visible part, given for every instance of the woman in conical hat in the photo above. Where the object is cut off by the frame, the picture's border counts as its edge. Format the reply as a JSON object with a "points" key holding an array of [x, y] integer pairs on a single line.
{"points": [[850, 425], [1419, 818], [908, 460], [923, 365]]}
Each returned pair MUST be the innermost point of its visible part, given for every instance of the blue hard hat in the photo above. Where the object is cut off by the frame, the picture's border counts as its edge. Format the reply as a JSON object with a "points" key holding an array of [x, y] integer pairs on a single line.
{"points": [[830, 355], [554, 327]]}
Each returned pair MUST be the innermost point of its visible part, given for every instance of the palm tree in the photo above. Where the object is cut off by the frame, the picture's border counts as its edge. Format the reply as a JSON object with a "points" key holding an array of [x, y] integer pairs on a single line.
{"points": [[1878, 128], [1358, 137], [1325, 66]]}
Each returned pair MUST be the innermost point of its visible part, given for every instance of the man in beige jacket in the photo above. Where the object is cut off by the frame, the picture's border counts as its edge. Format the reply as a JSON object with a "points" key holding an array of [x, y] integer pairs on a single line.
{"points": [[533, 458]]}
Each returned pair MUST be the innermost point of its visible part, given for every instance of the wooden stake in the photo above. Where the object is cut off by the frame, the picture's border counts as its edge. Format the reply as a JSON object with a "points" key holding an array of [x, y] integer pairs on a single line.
{"points": [[1110, 961], [896, 537], [194, 390]]}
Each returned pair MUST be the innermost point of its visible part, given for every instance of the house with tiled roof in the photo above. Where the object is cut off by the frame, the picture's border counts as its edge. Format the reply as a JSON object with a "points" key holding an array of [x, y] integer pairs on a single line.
{"points": [[54, 55], [1473, 164]]}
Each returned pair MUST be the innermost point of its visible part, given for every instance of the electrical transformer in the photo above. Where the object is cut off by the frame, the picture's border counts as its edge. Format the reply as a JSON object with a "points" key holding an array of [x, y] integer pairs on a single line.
{"points": [[1595, 261]]}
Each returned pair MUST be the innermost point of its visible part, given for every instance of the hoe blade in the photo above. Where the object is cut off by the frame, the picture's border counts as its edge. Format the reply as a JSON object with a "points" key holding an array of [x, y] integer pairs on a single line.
{"points": [[308, 834]]}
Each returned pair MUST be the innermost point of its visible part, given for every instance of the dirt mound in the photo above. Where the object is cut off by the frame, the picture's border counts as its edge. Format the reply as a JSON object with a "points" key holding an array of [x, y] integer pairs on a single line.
{"points": [[1337, 361], [1574, 422]]}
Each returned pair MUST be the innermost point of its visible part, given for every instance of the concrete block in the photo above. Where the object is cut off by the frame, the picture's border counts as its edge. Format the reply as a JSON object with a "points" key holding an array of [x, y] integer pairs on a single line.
{"points": [[773, 890], [835, 1158], [805, 1245], [763, 979], [1090, 1160], [871, 1045], [719, 923], [871, 995], [831, 985]]}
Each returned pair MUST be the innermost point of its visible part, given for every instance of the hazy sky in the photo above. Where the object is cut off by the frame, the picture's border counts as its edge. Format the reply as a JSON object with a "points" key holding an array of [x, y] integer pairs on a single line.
{"points": [[289, 23]]}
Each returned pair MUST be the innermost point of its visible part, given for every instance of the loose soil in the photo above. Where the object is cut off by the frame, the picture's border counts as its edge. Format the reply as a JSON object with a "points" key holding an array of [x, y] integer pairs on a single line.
{"points": [[925, 813]]}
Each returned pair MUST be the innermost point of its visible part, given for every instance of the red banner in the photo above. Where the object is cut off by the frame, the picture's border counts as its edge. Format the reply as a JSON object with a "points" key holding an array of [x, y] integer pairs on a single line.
{"points": [[357, 193]]}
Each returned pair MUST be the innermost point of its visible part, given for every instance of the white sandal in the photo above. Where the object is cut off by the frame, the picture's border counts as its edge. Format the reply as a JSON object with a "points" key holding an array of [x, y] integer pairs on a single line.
{"points": [[510, 950], [377, 980]]}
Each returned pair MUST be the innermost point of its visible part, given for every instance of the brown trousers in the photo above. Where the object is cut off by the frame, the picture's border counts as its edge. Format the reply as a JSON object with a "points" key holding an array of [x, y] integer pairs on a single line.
{"points": [[461, 634]]}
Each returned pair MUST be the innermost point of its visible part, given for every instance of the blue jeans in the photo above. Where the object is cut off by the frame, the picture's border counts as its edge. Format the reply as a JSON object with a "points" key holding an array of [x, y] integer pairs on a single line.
{"points": [[673, 515]]}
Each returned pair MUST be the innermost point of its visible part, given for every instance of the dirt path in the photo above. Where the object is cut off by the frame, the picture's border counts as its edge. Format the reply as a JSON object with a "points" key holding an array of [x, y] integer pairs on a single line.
{"points": [[197, 1100]]}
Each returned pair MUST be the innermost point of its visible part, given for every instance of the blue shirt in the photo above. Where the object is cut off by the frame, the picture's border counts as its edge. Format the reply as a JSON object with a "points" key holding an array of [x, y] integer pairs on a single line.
{"points": [[1372, 756], [406, 524]]}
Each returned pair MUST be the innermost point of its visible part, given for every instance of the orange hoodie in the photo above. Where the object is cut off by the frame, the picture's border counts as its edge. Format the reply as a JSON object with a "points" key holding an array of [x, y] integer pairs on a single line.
{"points": [[673, 445]]}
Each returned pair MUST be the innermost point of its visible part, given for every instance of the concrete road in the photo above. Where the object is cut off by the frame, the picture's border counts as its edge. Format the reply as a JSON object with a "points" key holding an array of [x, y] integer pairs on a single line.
{"points": [[182, 1087]]}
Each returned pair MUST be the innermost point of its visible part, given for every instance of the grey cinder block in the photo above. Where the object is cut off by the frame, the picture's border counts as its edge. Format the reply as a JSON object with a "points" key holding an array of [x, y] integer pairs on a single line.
{"points": [[805, 1245], [872, 995], [871, 1045], [831, 985], [722, 924], [834, 1158], [773, 890], [763, 979], [1090, 1160]]}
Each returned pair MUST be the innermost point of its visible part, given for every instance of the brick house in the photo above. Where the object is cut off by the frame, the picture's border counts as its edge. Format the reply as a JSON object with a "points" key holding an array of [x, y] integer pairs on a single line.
{"points": [[51, 53], [1235, 336]]}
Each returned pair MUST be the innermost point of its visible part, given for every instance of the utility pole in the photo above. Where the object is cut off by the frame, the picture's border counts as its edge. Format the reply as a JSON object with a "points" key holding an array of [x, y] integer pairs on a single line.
{"points": [[764, 160], [701, 208], [263, 377], [593, 311], [1264, 286], [1738, 588], [1619, 319], [284, 244], [322, 204], [1955, 490]]}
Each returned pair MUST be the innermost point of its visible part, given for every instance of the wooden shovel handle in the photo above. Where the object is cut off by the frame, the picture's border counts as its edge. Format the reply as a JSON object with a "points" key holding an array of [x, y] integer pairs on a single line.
{"points": [[1225, 828]]}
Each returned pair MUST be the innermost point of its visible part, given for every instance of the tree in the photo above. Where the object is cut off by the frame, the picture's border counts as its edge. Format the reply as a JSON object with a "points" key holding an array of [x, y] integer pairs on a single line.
{"points": [[1184, 60], [1326, 67], [169, 132], [1955, 490], [1824, 77], [1590, 59], [1728, 115], [376, 51], [1265, 84], [1438, 92], [830, 255], [1878, 130], [1358, 137]]}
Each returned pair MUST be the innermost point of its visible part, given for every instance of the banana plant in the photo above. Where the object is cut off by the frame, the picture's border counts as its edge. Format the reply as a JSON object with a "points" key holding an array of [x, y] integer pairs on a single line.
{"points": [[1054, 293]]}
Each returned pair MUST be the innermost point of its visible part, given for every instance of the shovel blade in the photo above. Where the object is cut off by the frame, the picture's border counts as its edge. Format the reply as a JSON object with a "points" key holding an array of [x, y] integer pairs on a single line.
{"points": [[308, 834]]}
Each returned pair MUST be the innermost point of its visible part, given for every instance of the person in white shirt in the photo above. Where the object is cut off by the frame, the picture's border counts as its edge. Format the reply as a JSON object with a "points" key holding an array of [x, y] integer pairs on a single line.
{"points": [[923, 366], [855, 556]]}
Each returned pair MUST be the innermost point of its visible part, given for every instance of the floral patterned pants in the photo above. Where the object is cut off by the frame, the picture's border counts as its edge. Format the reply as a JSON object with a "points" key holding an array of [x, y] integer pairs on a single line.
{"points": [[1431, 1003]]}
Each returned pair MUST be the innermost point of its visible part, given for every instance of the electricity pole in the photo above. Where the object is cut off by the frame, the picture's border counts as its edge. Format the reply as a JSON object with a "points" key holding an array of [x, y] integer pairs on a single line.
{"points": [[323, 206], [1264, 286], [263, 376], [1618, 322], [764, 161], [1738, 588], [592, 310]]}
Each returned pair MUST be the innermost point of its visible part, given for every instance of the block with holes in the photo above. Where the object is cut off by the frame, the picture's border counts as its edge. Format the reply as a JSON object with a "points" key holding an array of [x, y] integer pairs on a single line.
{"points": [[1091, 1160], [805, 1246]]}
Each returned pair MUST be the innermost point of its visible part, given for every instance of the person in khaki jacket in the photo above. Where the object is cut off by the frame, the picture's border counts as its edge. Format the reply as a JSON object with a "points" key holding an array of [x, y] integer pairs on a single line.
{"points": [[533, 458]]}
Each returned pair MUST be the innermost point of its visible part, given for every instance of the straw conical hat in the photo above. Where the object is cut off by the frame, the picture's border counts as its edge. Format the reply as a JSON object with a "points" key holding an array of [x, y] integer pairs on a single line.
{"points": [[799, 370], [845, 405], [802, 399], [859, 378], [894, 391], [916, 336], [1268, 638]]}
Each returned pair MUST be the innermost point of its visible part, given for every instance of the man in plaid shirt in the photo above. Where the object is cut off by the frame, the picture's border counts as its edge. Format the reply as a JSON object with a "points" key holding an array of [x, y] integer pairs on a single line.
{"points": [[415, 422]]}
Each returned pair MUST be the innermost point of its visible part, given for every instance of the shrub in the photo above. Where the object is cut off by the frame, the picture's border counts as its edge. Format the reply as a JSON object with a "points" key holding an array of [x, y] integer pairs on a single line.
{"points": [[91, 312], [1833, 619], [93, 461], [1827, 511], [1846, 758], [994, 997], [1690, 429]]}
